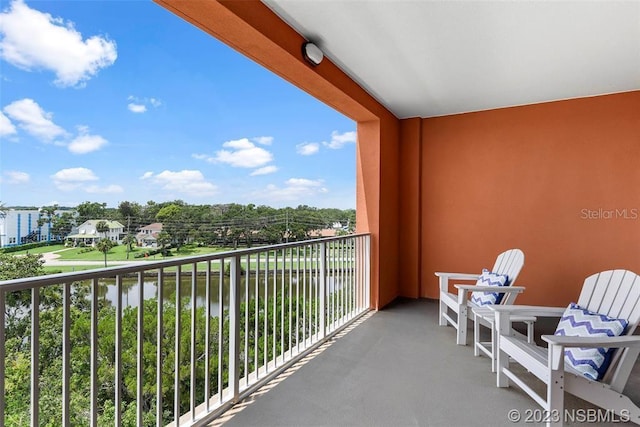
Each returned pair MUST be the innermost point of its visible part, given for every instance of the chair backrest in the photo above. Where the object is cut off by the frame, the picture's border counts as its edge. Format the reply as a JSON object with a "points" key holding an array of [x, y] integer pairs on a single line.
{"points": [[509, 263], [615, 293]]}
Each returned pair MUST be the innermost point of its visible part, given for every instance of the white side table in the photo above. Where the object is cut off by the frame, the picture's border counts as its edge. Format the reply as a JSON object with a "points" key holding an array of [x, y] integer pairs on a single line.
{"points": [[486, 317]]}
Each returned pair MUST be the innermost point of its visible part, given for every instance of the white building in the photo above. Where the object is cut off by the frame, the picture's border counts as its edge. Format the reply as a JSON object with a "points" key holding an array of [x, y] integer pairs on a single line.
{"points": [[20, 226], [88, 234], [148, 235]]}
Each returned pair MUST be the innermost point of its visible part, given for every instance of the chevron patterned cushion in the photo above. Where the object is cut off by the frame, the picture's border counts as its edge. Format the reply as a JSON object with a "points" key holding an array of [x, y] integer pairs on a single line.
{"points": [[487, 278], [578, 322]]}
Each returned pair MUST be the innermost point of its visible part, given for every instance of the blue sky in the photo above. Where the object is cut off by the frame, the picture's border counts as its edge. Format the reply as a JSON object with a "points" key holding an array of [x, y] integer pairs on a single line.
{"points": [[107, 101]]}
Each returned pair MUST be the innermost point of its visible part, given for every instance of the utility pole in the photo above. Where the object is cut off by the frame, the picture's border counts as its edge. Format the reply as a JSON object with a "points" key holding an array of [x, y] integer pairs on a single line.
{"points": [[128, 233]]}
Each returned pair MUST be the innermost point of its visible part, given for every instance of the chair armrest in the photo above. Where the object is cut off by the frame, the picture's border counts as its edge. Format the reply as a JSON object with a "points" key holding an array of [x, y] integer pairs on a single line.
{"points": [[591, 342], [458, 276], [499, 289], [529, 310], [444, 278]]}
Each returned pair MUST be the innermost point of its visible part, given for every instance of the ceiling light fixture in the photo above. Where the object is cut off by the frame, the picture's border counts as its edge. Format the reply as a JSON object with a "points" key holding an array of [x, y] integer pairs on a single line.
{"points": [[312, 53]]}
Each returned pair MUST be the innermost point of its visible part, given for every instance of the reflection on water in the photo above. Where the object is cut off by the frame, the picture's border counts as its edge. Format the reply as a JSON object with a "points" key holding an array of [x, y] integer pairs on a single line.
{"points": [[251, 283]]}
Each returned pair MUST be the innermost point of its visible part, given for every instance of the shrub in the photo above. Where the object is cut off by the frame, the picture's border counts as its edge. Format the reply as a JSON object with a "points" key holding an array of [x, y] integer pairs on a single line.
{"points": [[27, 246]]}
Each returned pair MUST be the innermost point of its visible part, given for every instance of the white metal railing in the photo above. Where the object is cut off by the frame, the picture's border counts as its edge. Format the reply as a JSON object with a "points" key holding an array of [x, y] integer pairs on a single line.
{"points": [[172, 342]]}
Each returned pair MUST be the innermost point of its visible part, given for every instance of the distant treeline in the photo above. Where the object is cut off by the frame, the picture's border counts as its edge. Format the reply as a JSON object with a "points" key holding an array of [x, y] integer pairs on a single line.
{"points": [[225, 224]]}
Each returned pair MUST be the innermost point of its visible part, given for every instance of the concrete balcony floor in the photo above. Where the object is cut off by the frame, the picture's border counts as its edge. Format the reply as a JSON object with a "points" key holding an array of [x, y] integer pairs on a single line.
{"points": [[396, 367]]}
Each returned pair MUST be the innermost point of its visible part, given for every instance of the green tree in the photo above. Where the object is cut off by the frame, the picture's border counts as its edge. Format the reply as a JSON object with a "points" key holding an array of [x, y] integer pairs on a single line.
{"points": [[18, 267], [62, 225], [129, 240], [129, 213], [129, 209], [91, 210], [47, 215], [104, 246], [163, 240], [173, 222], [102, 227]]}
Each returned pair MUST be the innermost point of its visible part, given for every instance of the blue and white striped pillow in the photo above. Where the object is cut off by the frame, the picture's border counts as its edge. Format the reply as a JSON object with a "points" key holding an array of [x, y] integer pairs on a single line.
{"points": [[487, 278], [579, 322]]}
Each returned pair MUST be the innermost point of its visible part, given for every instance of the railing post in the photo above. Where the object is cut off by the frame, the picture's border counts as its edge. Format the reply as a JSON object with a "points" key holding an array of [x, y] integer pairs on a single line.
{"points": [[234, 328], [367, 271], [140, 349], [159, 346], [322, 283], [94, 353], [118, 354], [66, 354], [176, 351], [2, 355], [35, 355]]}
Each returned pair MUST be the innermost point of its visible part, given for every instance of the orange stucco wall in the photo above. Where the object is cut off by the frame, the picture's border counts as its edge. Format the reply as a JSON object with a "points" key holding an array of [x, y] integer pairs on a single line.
{"points": [[559, 180]]}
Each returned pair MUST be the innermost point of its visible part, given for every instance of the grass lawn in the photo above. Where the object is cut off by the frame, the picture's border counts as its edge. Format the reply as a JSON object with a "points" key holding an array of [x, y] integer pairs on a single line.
{"points": [[119, 253], [69, 268], [39, 250]]}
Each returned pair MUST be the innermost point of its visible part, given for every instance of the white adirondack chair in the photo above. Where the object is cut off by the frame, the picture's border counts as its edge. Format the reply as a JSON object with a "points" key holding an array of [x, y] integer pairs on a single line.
{"points": [[508, 263], [615, 293]]}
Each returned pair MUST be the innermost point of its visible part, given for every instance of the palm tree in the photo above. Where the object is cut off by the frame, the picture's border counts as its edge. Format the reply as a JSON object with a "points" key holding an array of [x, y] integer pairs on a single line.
{"points": [[104, 245], [102, 227], [129, 240]]}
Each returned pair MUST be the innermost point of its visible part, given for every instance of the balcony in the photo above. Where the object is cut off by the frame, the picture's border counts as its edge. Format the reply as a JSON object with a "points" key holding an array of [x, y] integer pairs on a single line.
{"points": [[397, 367], [173, 342], [262, 321]]}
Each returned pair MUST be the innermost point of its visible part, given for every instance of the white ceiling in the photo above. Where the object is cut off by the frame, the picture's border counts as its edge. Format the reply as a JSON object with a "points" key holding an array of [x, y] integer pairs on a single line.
{"points": [[433, 58]]}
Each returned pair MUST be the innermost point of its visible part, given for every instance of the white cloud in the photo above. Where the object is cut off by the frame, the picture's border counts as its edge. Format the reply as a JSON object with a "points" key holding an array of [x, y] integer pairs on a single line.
{"points": [[189, 182], [109, 189], [307, 148], [239, 144], [16, 177], [304, 183], [264, 140], [85, 143], [72, 178], [82, 179], [265, 170], [295, 189], [242, 153], [36, 40], [6, 127], [74, 174], [139, 105], [136, 108], [338, 140], [33, 119]]}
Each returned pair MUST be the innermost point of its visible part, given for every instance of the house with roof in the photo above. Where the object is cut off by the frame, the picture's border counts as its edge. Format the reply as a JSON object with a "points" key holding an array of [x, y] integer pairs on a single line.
{"points": [[88, 234], [148, 235]]}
